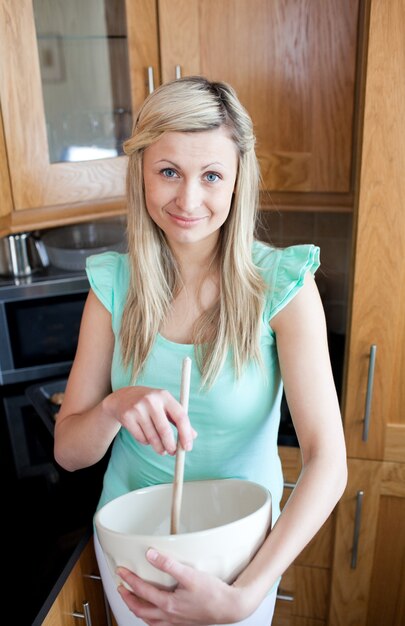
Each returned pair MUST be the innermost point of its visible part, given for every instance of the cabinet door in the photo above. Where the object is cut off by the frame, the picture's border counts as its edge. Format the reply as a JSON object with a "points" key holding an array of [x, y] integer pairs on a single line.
{"points": [[368, 574], [65, 98], [93, 588], [83, 586], [69, 600], [378, 304], [293, 66]]}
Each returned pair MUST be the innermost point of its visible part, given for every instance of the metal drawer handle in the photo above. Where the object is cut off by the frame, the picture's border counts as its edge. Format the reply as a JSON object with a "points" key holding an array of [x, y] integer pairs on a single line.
{"points": [[178, 71], [369, 393], [282, 595], [85, 615], [288, 485], [151, 80], [106, 605], [356, 531]]}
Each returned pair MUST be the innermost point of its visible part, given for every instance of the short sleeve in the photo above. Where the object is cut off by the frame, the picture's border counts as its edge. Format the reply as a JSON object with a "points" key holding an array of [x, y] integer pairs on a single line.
{"points": [[292, 265], [101, 270]]}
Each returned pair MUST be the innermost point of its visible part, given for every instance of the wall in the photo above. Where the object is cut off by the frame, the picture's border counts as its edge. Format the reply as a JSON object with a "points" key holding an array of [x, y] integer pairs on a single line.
{"points": [[332, 233]]}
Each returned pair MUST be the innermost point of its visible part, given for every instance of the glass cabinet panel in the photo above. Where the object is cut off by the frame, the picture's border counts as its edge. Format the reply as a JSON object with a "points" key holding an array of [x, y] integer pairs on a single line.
{"points": [[83, 57]]}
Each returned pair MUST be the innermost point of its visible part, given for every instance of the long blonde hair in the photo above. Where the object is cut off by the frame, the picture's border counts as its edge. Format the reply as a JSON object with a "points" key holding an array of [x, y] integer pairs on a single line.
{"points": [[186, 105]]}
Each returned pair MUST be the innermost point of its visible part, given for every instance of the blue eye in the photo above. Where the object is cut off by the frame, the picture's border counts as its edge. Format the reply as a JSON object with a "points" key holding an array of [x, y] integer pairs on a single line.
{"points": [[168, 172], [212, 177]]}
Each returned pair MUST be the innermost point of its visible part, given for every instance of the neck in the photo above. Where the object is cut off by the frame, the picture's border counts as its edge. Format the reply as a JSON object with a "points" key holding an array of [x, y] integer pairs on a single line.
{"points": [[196, 260]]}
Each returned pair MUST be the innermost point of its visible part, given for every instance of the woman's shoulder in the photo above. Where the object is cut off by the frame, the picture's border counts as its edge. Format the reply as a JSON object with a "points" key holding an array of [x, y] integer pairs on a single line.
{"points": [[108, 264], [108, 260], [108, 274], [284, 270], [266, 256]]}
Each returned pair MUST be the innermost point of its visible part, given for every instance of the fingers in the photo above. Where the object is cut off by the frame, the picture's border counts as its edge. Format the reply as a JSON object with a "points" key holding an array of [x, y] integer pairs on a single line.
{"points": [[182, 573], [144, 610], [198, 598], [181, 420], [154, 423], [149, 420], [145, 600]]}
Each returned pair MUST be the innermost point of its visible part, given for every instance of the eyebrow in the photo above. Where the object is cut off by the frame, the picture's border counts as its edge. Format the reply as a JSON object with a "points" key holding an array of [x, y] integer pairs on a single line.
{"points": [[214, 163]]}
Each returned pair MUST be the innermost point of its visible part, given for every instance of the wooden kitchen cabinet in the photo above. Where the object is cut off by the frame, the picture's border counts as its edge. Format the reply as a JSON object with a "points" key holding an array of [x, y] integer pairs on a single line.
{"points": [[292, 63], [49, 191], [368, 574], [83, 586], [371, 591], [378, 302]]}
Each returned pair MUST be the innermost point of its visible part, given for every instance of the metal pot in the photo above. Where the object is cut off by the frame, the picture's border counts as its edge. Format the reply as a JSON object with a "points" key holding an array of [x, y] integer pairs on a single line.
{"points": [[69, 246], [21, 254]]}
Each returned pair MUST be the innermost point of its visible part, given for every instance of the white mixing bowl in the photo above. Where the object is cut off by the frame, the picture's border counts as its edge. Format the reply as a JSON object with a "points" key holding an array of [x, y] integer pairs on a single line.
{"points": [[222, 525]]}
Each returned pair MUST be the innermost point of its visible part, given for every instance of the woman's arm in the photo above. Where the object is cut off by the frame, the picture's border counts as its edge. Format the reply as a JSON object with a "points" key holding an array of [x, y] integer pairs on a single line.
{"points": [[83, 430], [91, 415], [305, 366], [311, 395]]}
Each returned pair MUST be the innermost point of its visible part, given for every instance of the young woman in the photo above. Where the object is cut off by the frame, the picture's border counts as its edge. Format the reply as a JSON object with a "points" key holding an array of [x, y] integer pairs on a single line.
{"points": [[196, 283]]}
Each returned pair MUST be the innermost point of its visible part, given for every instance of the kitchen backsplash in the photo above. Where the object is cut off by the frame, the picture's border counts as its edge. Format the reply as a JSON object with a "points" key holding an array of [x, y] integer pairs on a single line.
{"points": [[332, 232]]}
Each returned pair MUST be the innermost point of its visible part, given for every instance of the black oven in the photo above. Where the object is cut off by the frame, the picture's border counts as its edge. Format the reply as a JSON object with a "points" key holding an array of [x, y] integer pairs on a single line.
{"points": [[39, 324], [46, 510]]}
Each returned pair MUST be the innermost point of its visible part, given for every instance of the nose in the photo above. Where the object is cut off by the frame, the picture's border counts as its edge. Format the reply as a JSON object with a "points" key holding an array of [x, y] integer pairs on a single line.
{"points": [[189, 196]]}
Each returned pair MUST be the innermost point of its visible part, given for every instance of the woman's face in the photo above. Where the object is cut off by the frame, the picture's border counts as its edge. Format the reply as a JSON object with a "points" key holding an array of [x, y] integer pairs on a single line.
{"points": [[189, 181]]}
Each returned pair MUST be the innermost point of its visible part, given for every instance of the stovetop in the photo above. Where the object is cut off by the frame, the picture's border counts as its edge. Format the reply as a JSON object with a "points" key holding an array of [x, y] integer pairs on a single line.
{"points": [[43, 275], [44, 283]]}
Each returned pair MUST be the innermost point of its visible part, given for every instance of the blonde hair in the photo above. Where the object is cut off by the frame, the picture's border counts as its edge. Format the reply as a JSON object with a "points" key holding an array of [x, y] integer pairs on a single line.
{"points": [[194, 104]]}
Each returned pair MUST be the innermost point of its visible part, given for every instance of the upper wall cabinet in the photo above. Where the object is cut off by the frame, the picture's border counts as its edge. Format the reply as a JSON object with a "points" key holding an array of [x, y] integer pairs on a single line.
{"points": [[71, 77], [72, 74], [293, 65]]}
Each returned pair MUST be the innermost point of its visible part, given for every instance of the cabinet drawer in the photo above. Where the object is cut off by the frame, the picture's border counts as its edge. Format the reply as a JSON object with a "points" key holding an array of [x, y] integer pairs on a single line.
{"points": [[283, 617], [304, 593], [83, 586]]}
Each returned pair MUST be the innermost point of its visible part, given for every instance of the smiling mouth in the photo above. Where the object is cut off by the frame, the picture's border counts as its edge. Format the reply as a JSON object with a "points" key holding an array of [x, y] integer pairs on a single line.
{"points": [[187, 221]]}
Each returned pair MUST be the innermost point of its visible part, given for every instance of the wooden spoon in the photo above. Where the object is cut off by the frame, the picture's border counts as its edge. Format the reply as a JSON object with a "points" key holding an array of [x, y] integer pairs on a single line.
{"points": [[180, 452]]}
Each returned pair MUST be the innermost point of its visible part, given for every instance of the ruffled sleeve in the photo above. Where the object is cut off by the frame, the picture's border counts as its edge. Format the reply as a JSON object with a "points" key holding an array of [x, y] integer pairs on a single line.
{"points": [[292, 264], [101, 271]]}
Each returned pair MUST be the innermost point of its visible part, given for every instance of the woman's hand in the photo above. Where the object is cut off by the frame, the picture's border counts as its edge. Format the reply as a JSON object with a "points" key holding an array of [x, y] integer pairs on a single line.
{"points": [[147, 414], [199, 598]]}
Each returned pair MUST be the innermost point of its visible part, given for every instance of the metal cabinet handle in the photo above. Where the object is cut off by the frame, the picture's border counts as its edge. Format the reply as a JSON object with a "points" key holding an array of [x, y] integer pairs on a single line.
{"points": [[85, 615], [285, 596], [356, 531], [151, 80], [369, 393], [106, 605], [288, 485], [178, 71]]}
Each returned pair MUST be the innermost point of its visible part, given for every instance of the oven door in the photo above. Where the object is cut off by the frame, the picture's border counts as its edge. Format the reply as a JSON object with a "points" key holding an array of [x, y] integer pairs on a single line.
{"points": [[39, 336], [46, 510]]}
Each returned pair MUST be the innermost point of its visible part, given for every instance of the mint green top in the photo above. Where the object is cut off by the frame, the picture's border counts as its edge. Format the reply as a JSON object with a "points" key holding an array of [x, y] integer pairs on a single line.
{"points": [[237, 420]]}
